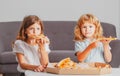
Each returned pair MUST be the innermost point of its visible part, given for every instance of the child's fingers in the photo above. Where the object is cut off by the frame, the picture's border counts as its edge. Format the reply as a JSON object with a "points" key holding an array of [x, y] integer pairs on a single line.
{"points": [[39, 69], [106, 41]]}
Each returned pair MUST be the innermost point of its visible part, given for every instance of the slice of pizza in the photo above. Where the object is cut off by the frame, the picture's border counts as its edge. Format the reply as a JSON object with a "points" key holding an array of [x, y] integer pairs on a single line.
{"points": [[105, 38], [102, 65], [66, 63], [36, 37]]}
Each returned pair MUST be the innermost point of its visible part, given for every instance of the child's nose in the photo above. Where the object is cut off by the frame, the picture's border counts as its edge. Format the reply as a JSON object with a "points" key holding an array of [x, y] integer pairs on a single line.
{"points": [[35, 31], [88, 29]]}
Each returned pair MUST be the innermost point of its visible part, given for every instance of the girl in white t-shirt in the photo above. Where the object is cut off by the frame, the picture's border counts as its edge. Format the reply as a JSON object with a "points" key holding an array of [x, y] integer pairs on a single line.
{"points": [[31, 46], [90, 45]]}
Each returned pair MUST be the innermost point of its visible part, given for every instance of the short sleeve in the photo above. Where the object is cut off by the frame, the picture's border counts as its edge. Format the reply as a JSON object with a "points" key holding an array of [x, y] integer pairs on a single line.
{"points": [[18, 47], [47, 48], [79, 46]]}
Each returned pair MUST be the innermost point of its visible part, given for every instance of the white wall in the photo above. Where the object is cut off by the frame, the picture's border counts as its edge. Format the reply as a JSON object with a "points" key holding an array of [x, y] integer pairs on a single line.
{"points": [[105, 10]]}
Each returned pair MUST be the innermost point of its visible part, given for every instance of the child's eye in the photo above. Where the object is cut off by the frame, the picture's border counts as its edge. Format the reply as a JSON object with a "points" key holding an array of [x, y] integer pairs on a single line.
{"points": [[90, 26], [84, 26], [38, 28]]}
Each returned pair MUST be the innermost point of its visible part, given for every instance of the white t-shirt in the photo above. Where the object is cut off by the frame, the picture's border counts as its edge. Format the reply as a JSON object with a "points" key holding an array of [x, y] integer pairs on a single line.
{"points": [[95, 55], [30, 53]]}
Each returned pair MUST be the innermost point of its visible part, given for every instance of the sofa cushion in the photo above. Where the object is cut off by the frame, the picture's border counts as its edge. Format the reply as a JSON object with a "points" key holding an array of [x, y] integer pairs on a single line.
{"points": [[8, 32], [108, 29], [61, 34], [57, 55], [115, 49], [8, 68], [7, 58]]}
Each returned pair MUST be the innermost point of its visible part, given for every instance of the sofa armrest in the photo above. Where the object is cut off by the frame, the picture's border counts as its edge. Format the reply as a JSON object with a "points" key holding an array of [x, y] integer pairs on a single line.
{"points": [[115, 50], [57, 55]]}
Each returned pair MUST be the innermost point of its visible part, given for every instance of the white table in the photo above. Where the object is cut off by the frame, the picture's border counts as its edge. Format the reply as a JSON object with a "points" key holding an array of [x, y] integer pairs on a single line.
{"points": [[115, 72]]}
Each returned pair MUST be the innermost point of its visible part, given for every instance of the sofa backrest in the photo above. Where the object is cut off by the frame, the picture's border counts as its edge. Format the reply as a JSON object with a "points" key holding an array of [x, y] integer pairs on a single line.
{"points": [[8, 33], [60, 34]]}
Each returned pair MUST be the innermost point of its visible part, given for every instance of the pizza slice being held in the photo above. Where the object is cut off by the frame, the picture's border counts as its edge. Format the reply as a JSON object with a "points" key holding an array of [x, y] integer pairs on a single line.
{"points": [[36, 37], [39, 37], [107, 38]]}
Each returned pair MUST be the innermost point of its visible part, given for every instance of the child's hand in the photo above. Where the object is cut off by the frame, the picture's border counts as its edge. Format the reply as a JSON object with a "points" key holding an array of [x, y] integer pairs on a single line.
{"points": [[41, 43], [39, 69], [43, 40], [105, 42], [46, 40], [93, 45], [45, 66]]}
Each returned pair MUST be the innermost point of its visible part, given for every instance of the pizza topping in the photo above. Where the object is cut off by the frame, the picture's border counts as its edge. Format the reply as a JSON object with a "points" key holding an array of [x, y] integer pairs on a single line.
{"points": [[66, 63]]}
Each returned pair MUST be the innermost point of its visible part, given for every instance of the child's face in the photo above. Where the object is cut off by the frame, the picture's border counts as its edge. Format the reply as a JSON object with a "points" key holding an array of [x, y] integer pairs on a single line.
{"points": [[88, 30], [34, 29]]}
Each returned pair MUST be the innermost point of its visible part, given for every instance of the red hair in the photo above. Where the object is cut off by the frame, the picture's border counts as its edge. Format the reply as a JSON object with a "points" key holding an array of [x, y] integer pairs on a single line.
{"points": [[90, 19]]}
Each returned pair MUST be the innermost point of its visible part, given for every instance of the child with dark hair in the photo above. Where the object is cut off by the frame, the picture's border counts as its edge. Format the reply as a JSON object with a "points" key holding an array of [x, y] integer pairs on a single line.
{"points": [[31, 46]]}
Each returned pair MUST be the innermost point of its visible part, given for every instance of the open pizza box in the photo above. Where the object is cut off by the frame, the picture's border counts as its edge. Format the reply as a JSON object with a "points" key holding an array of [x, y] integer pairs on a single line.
{"points": [[81, 69]]}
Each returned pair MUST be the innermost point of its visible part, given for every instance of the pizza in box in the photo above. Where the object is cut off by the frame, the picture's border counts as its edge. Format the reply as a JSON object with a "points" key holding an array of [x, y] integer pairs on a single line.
{"points": [[67, 66]]}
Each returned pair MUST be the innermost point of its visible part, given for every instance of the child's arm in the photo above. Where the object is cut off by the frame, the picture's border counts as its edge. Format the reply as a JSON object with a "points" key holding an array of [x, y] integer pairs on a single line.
{"points": [[82, 55], [43, 53], [107, 52], [26, 66], [44, 56]]}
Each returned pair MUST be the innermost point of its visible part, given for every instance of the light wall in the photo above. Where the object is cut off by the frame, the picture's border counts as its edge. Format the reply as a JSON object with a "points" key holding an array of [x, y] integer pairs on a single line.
{"points": [[65, 10]]}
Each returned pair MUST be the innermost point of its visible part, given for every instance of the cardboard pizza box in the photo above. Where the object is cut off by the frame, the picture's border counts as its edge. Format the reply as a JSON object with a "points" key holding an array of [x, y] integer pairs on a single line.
{"points": [[78, 71]]}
